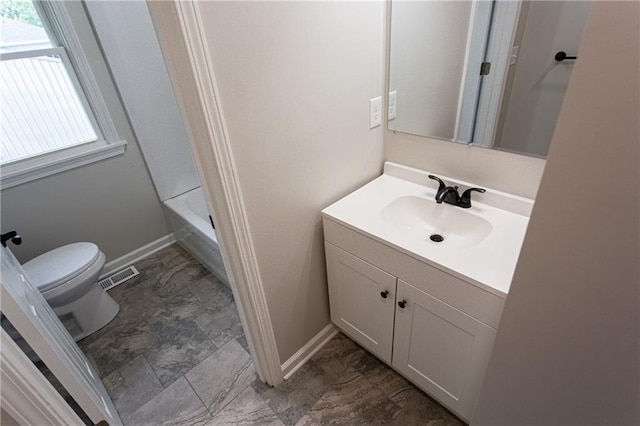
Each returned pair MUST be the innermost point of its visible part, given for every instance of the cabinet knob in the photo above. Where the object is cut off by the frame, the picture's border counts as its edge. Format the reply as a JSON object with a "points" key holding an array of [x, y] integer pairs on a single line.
{"points": [[402, 304], [384, 294]]}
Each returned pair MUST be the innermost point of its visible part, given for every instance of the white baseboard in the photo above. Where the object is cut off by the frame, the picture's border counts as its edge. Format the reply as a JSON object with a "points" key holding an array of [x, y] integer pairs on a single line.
{"points": [[298, 359], [137, 254]]}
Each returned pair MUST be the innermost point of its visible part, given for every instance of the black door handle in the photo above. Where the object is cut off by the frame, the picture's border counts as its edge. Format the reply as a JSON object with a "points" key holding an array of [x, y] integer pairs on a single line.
{"points": [[11, 235], [561, 56]]}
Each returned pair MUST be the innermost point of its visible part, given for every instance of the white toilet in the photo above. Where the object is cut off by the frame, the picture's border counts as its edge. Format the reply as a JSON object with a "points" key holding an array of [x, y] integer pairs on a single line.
{"points": [[67, 277]]}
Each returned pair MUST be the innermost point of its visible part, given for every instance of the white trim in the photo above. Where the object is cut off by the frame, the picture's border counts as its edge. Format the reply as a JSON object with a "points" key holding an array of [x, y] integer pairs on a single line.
{"points": [[503, 31], [479, 25], [47, 164], [317, 342], [33, 53], [179, 28], [132, 257], [26, 395], [22, 46]]}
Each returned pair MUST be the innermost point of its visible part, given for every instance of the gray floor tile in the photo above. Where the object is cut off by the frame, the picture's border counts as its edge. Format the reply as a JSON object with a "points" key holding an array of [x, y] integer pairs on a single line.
{"points": [[105, 332], [396, 387], [415, 404], [149, 267], [176, 405], [421, 409], [220, 378], [138, 299], [338, 356], [181, 346], [308, 421], [173, 255], [181, 275], [353, 400], [179, 307], [132, 386], [293, 398], [221, 323], [242, 339], [125, 341], [212, 291], [246, 409]]}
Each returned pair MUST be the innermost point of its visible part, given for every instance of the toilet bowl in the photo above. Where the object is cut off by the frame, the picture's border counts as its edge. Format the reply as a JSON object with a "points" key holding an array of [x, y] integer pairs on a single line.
{"points": [[67, 277]]}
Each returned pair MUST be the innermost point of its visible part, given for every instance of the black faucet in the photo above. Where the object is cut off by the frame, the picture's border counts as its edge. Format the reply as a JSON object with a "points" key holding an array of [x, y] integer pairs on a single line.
{"points": [[450, 195]]}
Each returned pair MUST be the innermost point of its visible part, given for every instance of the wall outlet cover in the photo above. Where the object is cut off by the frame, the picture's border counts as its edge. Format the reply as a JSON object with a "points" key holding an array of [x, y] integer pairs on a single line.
{"points": [[375, 112], [393, 101]]}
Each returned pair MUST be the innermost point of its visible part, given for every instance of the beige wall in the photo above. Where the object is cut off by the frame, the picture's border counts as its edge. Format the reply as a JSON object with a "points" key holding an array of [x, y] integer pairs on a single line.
{"points": [[516, 174], [111, 203], [6, 419], [539, 82], [295, 79], [567, 348], [423, 34]]}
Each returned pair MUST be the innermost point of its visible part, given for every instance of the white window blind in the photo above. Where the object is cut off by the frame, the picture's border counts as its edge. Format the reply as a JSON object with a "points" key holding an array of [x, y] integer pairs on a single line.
{"points": [[41, 112]]}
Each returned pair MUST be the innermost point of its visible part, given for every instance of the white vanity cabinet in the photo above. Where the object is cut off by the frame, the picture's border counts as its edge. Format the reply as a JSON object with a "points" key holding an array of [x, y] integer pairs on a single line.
{"points": [[362, 299], [431, 341], [441, 349], [422, 285]]}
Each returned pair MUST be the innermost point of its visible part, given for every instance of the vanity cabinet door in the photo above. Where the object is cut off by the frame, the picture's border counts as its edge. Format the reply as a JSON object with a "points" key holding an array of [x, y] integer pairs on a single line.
{"points": [[361, 298], [441, 349]]}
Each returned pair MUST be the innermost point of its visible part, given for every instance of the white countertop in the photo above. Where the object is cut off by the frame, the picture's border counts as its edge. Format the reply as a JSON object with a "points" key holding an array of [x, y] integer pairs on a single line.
{"points": [[489, 263]]}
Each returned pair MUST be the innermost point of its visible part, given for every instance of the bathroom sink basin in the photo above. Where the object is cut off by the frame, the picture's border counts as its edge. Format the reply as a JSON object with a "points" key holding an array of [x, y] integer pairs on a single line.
{"points": [[438, 224], [479, 244]]}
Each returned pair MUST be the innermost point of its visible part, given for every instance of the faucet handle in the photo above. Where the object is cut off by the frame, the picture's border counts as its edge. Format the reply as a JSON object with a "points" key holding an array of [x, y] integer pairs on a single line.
{"points": [[465, 198], [440, 182]]}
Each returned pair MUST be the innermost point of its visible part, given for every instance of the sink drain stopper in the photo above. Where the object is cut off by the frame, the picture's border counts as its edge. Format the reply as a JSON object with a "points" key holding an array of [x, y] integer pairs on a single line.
{"points": [[436, 238]]}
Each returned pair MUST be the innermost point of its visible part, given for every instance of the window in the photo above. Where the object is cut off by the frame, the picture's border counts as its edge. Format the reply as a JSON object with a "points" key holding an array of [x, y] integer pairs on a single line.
{"points": [[48, 119]]}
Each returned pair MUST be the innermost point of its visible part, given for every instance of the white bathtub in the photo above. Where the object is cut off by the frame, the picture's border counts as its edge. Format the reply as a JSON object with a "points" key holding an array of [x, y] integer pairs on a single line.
{"points": [[192, 228]]}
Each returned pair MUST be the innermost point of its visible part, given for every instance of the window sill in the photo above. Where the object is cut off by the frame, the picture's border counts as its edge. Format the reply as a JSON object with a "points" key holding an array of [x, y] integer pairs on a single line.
{"points": [[56, 162]]}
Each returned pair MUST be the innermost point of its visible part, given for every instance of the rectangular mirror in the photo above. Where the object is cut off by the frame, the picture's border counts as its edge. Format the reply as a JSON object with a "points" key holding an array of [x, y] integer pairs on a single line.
{"points": [[490, 73]]}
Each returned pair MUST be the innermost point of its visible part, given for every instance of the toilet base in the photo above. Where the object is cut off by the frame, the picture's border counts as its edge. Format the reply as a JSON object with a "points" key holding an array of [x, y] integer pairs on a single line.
{"points": [[89, 313]]}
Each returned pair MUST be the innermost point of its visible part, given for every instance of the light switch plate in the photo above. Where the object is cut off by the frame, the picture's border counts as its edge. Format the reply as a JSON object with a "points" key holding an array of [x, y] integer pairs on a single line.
{"points": [[393, 100], [375, 112]]}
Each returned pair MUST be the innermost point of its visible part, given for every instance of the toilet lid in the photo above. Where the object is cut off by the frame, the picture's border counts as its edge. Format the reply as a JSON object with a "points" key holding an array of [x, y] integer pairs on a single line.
{"points": [[60, 265]]}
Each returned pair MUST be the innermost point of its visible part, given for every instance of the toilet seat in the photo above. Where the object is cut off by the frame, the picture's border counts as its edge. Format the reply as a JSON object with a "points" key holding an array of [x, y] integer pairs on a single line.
{"points": [[60, 266]]}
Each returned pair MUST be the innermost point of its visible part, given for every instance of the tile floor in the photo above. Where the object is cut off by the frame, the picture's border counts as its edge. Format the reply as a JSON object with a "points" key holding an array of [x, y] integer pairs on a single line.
{"points": [[176, 355]]}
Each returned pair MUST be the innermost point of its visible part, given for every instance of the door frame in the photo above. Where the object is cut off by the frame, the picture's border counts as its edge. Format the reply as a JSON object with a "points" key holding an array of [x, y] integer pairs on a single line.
{"points": [[503, 31], [477, 38], [26, 395], [179, 28]]}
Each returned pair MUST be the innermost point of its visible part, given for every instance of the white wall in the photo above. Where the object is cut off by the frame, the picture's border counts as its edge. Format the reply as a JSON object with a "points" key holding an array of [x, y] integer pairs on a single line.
{"points": [[567, 350], [428, 38], [295, 79], [128, 40], [111, 203]]}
